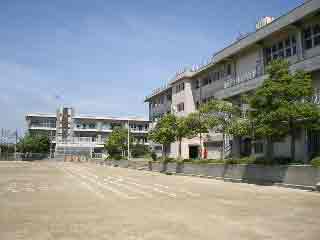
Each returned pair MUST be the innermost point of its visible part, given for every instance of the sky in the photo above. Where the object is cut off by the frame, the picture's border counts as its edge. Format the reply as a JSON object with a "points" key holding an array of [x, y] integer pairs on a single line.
{"points": [[103, 57]]}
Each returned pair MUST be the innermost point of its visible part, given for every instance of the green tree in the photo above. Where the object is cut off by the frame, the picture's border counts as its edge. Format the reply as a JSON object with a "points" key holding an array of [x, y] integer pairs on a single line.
{"points": [[197, 125], [139, 150], [117, 143], [219, 116], [164, 132], [183, 129], [283, 104], [34, 144]]}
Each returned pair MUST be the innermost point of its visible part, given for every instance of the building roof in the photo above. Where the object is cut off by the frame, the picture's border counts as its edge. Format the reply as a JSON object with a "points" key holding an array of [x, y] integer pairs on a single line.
{"points": [[157, 91], [293, 16], [48, 115], [138, 119]]}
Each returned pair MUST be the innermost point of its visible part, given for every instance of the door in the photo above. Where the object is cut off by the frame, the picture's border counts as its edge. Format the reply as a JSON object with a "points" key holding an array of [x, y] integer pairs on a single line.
{"points": [[193, 152]]}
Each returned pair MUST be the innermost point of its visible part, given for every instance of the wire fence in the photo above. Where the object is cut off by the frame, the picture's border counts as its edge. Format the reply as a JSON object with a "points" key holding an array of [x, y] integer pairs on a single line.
{"points": [[6, 156]]}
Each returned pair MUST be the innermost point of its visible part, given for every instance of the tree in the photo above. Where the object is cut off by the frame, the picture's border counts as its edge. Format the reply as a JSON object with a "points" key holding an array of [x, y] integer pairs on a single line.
{"points": [[183, 129], [196, 124], [139, 150], [219, 116], [34, 144], [283, 104], [117, 142], [164, 132]]}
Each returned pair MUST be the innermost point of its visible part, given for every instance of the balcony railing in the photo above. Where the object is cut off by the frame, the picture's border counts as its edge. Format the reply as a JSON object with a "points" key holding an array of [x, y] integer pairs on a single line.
{"points": [[245, 77], [42, 125], [80, 141]]}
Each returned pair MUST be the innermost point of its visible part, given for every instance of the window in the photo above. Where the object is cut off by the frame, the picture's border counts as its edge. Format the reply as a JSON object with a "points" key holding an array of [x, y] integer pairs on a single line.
{"points": [[205, 81], [197, 105], [92, 125], [228, 69], [161, 99], [197, 84], [282, 49], [207, 99], [106, 126], [180, 107], [258, 147], [307, 38], [311, 36], [169, 98], [180, 87]]}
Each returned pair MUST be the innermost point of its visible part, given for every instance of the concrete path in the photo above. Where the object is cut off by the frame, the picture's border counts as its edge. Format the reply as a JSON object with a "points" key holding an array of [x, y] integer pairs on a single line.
{"points": [[49, 200]]}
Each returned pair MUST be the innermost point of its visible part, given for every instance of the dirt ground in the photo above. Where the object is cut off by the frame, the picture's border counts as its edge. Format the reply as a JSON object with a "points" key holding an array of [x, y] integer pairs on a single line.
{"points": [[52, 200]]}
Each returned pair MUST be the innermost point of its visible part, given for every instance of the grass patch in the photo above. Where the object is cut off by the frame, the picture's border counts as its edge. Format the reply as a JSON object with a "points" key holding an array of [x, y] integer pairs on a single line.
{"points": [[315, 162]]}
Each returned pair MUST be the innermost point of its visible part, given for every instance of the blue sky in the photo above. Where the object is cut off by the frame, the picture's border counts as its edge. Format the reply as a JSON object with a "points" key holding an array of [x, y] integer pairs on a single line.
{"points": [[103, 57]]}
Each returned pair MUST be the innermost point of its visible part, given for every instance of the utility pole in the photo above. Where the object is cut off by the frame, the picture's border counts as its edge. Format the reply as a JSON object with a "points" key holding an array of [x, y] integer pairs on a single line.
{"points": [[15, 146], [50, 144], [200, 95], [128, 140]]}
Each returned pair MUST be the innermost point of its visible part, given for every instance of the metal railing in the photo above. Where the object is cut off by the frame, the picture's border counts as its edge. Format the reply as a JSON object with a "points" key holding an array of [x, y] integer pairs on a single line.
{"points": [[42, 125], [245, 77], [80, 141]]}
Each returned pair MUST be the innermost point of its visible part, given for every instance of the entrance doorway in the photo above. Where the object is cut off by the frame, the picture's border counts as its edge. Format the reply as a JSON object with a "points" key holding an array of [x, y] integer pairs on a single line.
{"points": [[193, 152]]}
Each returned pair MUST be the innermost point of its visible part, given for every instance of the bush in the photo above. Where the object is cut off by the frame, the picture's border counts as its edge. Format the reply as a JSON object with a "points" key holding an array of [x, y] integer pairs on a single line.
{"points": [[154, 156], [116, 157], [139, 150], [282, 160], [315, 162], [167, 160], [206, 161], [244, 160]]}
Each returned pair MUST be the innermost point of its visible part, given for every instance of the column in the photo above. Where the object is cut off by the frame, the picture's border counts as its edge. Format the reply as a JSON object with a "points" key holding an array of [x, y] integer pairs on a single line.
{"points": [[300, 51]]}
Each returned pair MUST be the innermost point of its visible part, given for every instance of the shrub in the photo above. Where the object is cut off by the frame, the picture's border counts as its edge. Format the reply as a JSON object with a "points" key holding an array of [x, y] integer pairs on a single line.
{"points": [[167, 160], [263, 161], [206, 161], [116, 157], [139, 150], [244, 160], [282, 160], [154, 156], [186, 160], [315, 162]]}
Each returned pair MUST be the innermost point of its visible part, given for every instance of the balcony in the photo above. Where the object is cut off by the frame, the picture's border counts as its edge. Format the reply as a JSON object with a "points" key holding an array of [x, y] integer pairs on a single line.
{"points": [[253, 79], [44, 126], [242, 83], [139, 130], [80, 142]]}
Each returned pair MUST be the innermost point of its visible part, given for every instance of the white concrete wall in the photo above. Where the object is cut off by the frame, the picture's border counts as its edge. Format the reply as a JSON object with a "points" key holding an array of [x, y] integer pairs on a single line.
{"points": [[247, 60]]}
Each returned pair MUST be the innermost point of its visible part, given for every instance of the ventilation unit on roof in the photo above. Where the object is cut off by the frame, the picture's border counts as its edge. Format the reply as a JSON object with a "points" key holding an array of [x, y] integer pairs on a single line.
{"points": [[263, 22]]}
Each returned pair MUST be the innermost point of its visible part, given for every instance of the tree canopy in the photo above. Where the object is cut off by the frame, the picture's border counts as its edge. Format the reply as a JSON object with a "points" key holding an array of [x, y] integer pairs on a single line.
{"points": [[171, 128], [34, 144], [284, 104], [117, 142], [219, 116]]}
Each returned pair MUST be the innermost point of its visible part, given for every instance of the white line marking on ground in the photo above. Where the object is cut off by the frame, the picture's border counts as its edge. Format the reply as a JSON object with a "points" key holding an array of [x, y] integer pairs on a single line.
{"points": [[135, 190], [180, 190], [173, 195], [86, 185], [115, 191]]}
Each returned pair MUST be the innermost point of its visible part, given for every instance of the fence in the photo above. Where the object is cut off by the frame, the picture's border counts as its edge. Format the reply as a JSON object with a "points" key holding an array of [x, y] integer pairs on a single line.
{"points": [[294, 176], [4, 156]]}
